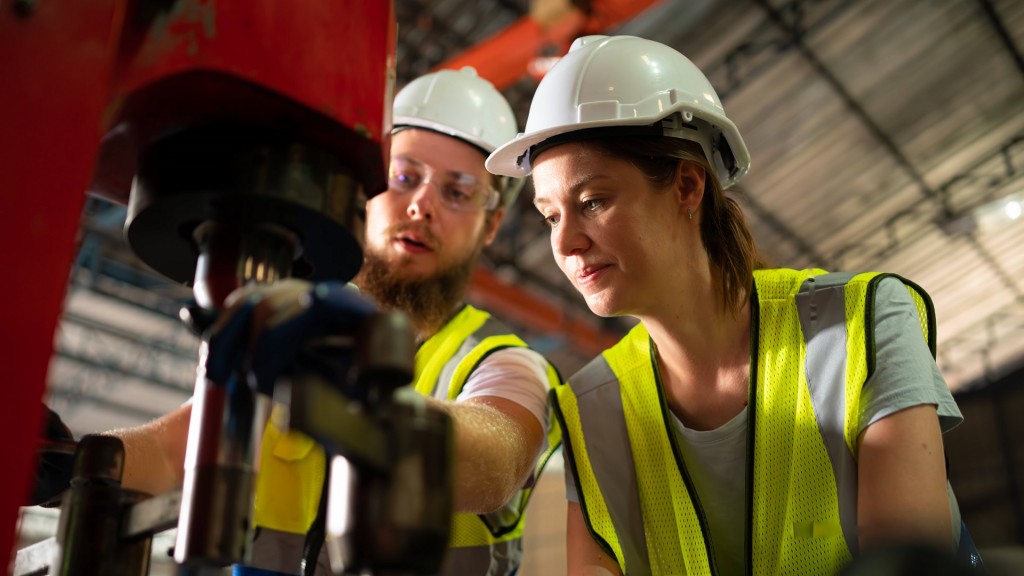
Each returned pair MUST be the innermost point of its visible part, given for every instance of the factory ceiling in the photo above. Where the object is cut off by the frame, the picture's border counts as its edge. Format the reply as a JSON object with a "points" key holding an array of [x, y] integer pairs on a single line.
{"points": [[884, 135]]}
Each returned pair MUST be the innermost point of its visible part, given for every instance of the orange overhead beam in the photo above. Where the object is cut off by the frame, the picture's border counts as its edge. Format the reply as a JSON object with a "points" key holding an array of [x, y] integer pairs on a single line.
{"points": [[518, 306], [505, 57]]}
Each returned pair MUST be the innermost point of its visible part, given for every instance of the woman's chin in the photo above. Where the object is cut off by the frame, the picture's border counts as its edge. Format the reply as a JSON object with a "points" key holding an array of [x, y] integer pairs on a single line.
{"points": [[602, 307]]}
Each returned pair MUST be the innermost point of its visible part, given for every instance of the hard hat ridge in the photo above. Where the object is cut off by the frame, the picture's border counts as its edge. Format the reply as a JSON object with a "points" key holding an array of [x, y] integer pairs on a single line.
{"points": [[607, 85]]}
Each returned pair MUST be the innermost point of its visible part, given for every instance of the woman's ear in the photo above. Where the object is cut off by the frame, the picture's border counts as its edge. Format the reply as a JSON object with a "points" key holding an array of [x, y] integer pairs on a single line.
{"points": [[689, 185]]}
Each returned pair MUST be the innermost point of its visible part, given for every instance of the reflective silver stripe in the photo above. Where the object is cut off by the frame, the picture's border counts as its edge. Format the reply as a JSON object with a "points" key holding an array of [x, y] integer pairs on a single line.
{"points": [[498, 559], [821, 305], [490, 327], [501, 557], [611, 457]]}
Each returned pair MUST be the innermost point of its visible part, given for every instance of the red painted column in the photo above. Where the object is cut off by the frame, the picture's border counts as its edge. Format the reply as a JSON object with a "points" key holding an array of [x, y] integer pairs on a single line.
{"points": [[87, 85], [56, 59]]}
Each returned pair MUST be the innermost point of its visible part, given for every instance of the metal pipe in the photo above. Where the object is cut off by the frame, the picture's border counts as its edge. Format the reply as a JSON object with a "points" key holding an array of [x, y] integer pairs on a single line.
{"points": [[215, 527]]}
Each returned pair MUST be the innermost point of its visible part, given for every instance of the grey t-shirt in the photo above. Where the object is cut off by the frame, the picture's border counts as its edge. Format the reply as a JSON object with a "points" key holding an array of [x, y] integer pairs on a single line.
{"points": [[905, 376]]}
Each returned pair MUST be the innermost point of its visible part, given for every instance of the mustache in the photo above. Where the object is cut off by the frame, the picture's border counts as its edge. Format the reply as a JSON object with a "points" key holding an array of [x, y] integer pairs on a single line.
{"points": [[423, 232]]}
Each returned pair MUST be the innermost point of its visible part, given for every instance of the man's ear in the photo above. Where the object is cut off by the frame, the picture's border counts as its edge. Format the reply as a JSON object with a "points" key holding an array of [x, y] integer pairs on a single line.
{"points": [[690, 177], [491, 224]]}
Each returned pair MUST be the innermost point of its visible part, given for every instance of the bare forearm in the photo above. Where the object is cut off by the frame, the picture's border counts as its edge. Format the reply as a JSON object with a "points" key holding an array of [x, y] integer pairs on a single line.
{"points": [[155, 452], [496, 442]]}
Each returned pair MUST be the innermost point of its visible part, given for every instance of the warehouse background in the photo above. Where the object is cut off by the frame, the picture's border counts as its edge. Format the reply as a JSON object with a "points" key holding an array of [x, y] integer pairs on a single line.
{"points": [[885, 135]]}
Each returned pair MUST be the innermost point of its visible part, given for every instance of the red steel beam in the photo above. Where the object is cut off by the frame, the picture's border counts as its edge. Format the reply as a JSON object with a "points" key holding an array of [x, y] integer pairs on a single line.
{"points": [[518, 306], [505, 57]]}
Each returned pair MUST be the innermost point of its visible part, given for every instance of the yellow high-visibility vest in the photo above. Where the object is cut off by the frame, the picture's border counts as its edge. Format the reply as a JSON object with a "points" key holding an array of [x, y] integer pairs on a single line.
{"points": [[292, 465], [811, 332]]}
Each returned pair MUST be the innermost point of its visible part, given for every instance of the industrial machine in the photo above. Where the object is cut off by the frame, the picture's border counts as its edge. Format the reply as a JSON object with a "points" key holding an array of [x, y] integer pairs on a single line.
{"points": [[244, 139]]}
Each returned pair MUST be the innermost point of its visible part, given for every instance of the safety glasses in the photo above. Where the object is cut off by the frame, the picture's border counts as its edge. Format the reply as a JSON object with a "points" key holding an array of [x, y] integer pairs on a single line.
{"points": [[459, 192]]}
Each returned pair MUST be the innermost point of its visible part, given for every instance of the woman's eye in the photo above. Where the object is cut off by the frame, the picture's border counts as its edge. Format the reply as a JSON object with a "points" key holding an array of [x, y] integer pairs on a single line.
{"points": [[590, 205], [551, 220]]}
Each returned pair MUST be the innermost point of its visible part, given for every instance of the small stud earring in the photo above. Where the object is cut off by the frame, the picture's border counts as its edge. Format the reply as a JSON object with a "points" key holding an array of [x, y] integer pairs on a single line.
{"points": [[689, 212]]}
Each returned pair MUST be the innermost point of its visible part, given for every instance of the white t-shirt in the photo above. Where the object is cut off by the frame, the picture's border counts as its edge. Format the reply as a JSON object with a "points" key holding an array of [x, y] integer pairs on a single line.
{"points": [[516, 374]]}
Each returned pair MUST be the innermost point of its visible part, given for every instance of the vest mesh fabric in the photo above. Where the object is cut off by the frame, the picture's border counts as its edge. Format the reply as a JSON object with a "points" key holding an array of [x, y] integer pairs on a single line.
{"points": [[924, 313], [466, 528], [675, 539], [595, 508], [440, 348], [793, 491], [796, 527], [465, 341], [860, 344], [475, 356], [857, 323]]}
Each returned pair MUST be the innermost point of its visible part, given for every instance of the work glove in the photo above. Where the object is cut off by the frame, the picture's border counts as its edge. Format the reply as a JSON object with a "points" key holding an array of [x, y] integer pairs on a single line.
{"points": [[56, 460], [265, 329]]}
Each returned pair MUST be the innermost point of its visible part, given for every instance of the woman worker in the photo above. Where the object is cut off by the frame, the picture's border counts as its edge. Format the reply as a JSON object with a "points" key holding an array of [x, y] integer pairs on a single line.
{"points": [[764, 421]]}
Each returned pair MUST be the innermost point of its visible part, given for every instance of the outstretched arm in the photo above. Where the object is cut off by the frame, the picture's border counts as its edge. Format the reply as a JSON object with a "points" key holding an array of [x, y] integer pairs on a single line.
{"points": [[496, 443], [902, 481], [155, 452]]}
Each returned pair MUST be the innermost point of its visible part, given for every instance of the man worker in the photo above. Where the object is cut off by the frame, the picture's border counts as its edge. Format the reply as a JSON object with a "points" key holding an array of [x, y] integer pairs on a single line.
{"points": [[423, 238]]}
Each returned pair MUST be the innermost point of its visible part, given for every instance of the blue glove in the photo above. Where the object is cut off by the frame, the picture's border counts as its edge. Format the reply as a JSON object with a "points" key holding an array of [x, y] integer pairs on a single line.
{"points": [[271, 326]]}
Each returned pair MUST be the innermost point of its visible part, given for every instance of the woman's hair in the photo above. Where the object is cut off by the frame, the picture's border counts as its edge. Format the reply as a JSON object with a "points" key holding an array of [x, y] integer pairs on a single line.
{"points": [[723, 229]]}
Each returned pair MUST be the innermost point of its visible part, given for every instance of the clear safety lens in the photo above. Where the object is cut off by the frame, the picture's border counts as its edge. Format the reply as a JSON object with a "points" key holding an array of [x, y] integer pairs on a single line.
{"points": [[459, 191]]}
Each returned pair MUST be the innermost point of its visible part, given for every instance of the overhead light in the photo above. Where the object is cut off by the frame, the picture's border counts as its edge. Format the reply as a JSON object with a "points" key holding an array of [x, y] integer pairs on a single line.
{"points": [[1012, 209], [1000, 212], [987, 217]]}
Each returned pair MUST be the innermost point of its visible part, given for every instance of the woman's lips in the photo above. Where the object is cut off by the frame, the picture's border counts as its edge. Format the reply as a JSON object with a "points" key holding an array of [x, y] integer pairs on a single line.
{"points": [[590, 274]]}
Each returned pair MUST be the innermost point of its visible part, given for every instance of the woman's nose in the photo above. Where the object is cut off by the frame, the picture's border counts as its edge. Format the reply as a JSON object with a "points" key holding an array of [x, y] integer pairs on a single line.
{"points": [[568, 238]]}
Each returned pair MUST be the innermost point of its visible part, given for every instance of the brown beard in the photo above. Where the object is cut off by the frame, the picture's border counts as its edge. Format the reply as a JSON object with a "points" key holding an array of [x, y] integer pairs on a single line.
{"points": [[429, 302]]}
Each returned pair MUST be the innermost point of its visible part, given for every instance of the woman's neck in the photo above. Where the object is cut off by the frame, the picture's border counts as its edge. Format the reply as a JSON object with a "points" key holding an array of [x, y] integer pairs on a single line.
{"points": [[703, 357]]}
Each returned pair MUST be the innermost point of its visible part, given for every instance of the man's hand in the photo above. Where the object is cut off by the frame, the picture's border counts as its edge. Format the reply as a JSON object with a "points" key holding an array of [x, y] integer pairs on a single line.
{"points": [[264, 328]]}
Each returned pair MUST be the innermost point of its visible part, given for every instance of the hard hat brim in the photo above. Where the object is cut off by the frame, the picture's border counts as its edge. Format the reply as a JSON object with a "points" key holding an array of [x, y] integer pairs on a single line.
{"points": [[511, 159]]}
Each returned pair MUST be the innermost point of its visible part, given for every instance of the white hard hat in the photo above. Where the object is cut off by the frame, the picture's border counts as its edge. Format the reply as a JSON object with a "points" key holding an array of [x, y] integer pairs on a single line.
{"points": [[614, 82], [462, 105]]}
